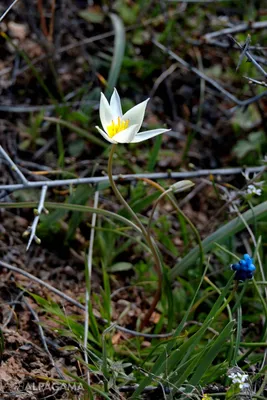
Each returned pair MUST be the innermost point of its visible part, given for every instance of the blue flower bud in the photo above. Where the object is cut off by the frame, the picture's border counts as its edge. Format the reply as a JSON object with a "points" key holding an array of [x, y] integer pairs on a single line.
{"points": [[244, 269]]}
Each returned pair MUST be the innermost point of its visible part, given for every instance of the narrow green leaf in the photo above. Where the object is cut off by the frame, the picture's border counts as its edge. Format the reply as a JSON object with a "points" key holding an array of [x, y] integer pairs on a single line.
{"points": [[118, 53], [80, 132], [72, 207], [211, 354], [159, 365], [154, 154], [60, 147]]}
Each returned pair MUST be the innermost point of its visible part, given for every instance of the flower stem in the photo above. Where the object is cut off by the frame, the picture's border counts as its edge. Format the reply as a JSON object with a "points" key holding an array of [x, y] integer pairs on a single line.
{"points": [[146, 235], [172, 199], [119, 195]]}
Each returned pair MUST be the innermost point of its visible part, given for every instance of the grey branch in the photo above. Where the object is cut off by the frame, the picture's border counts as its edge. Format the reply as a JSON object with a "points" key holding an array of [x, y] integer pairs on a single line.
{"points": [[245, 52], [230, 96], [236, 29], [40, 209], [252, 80], [130, 177], [7, 10], [13, 166]]}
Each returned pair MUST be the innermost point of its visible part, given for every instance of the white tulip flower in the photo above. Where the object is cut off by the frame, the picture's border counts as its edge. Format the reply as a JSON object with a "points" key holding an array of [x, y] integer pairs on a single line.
{"points": [[123, 128]]}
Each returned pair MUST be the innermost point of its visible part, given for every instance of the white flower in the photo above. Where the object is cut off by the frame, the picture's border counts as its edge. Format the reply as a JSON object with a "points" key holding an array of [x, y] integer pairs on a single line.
{"points": [[253, 190], [123, 128], [239, 378]]}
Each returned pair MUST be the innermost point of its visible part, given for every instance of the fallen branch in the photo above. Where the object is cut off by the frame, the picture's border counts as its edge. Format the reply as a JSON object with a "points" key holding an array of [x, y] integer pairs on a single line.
{"points": [[129, 177]]}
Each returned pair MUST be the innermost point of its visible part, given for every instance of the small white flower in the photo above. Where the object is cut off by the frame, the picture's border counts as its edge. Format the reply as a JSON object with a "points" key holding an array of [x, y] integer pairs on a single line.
{"points": [[123, 128], [239, 378], [253, 190]]}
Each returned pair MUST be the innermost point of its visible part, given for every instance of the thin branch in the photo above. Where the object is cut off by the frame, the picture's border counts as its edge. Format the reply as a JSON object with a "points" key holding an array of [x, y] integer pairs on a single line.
{"points": [[7, 11], [244, 51], [130, 177], [236, 29], [81, 306], [45, 107], [42, 17], [252, 80], [88, 286], [14, 303], [200, 74], [52, 21], [13, 166], [40, 209], [249, 56], [231, 201]]}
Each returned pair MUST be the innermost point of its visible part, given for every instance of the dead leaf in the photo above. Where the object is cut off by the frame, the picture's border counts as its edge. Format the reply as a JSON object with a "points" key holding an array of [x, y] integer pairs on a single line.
{"points": [[16, 30]]}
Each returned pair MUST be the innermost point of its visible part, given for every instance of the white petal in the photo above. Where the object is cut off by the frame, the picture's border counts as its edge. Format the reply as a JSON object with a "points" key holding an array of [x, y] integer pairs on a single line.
{"points": [[105, 136], [105, 112], [127, 135], [115, 104], [136, 114], [148, 134]]}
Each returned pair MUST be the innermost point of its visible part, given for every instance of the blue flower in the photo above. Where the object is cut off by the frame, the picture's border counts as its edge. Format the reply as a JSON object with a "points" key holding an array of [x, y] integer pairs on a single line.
{"points": [[244, 269]]}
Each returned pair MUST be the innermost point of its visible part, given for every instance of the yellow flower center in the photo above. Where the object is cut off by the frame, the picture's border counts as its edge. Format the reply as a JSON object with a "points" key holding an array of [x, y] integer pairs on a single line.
{"points": [[117, 126]]}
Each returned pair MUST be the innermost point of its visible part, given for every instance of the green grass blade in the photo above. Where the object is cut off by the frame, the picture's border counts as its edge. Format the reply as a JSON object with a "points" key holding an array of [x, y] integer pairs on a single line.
{"points": [[118, 54], [211, 354], [160, 363], [60, 147], [153, 156], [72, 207], [80, 132], [238, 336]]}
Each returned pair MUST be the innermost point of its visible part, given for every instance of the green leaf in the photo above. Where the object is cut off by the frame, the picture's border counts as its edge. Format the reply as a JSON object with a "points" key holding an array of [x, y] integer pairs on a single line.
{"points": [[93, 15], [80, 132], [120, 267], [76, 147], [243, 147]]}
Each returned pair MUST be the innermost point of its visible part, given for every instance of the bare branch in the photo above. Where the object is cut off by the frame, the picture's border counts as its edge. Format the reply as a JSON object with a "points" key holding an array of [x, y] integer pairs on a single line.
{"points": [[40, 209], [246, 53], [230, 96], [252, 80], [7, 11], [129, 177], [13, 166], [236, 29]]}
